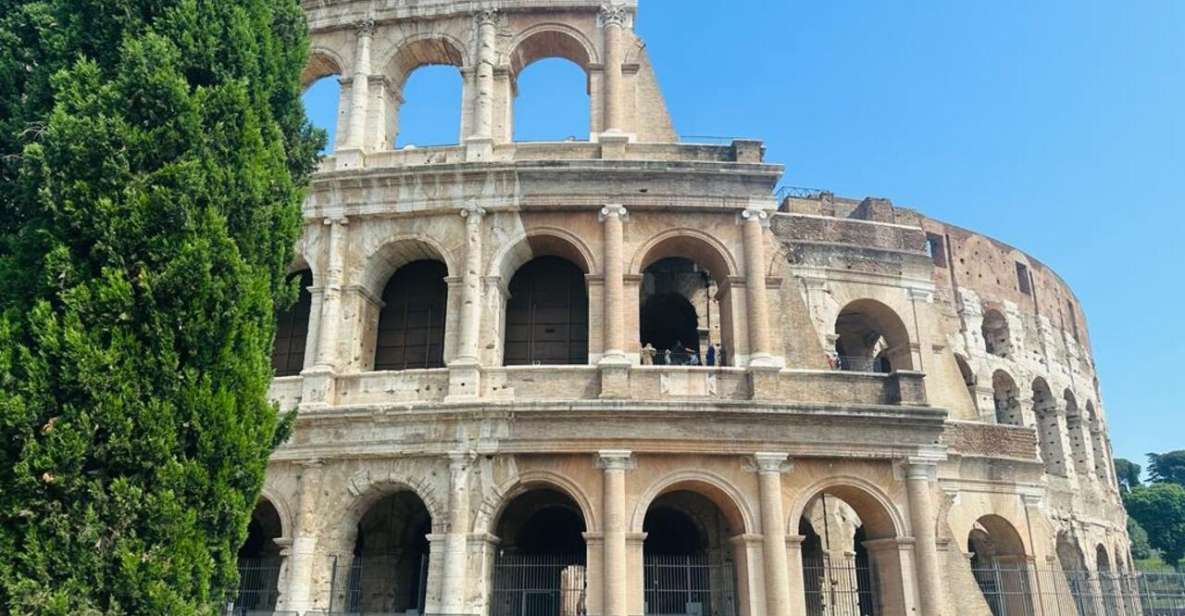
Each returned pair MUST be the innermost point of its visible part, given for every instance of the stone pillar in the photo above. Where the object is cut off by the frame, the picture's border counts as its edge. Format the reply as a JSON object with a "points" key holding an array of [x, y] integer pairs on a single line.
{"points": [[479, 144], [304, 544], [331, 294], [613, 20], [456, 541], [614, 580], [464, 369], [753, 223], [920, 479], [360, 85], [773, 531], [794, 568], [613, 217]]}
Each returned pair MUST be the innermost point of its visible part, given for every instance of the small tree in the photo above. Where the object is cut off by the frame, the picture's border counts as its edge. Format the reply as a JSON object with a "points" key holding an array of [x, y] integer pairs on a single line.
{"points": [[153, 155], [1160, 510], [1167, 467], [1141, 547], [1127, 473]]}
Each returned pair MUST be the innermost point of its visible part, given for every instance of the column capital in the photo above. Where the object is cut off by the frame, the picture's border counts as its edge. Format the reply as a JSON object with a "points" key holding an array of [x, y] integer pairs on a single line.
{"points": [[613, 209], [335, 220], [925, 296], [364, 27], [754, 215], [920, 470], [613, 15], [457, 460], [486, 17], [767, 462], [472, 211], [314, 464], [615, 459]]}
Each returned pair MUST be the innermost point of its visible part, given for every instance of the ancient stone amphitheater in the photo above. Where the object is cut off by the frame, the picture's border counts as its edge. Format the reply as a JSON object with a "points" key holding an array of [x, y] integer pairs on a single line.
{"points": [[628, 375]]}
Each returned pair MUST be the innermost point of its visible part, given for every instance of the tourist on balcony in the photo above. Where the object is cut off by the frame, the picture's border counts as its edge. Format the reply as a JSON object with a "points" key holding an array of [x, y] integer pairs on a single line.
{"points": [[648, 353], [711, 354]]}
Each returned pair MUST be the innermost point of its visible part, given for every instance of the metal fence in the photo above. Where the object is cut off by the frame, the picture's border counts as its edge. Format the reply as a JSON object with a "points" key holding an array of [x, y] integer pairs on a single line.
{"points": [[1020, 591], [538, 585], [688, 586], [386, 585], [840, 588], [258, 589]]}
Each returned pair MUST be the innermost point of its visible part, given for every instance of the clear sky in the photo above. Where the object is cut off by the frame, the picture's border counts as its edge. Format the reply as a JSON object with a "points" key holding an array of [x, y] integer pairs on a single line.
{"points": [[1055, 126]]}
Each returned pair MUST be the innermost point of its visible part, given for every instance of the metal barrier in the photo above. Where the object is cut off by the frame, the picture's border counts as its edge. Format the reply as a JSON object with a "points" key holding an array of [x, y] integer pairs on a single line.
{"points": [[538, 585], [1020, 591], [798, 192], [688, 586], [258, 590], [845, 588], [1006, 589], [379, 585]]}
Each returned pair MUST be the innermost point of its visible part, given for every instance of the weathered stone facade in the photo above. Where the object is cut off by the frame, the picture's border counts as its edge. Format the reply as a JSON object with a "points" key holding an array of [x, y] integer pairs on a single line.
{"points": [[931, 382]]}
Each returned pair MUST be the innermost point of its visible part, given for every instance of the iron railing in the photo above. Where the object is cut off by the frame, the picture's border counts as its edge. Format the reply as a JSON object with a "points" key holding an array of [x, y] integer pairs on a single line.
{"points": [[1021, 591], [258, 590], [688, 586], [798, 192], [840, 588], [386, 585], [538, 585]]}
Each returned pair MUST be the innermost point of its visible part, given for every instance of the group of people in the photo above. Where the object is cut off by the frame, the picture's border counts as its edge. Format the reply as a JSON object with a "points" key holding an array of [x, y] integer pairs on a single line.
{"points": [[679, 355]]}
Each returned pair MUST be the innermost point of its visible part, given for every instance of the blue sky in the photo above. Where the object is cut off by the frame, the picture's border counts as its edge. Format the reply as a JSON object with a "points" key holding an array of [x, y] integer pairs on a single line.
{"points": [[1056, 126]]}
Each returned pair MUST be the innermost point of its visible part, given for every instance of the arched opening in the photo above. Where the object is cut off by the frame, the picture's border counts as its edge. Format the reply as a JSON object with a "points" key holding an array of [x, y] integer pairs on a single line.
{"points": [[996, 338], [968, 379], [849, 560], [1006, 395], [259, 561], [1098, 441], [1000, 566], [1077, 578], [424, 106], [539, 567], [1108, 582], [1048, 428], [1074, 427], [388, 571], [430, 114], [870, 337], [678, 303], [547, 314], [323, 97], [688, 564], [411, 322], [549, 78], [292, 329]]}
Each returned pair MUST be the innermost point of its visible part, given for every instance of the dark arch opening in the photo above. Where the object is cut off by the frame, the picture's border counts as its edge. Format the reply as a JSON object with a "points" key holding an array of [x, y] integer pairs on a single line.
{"points": [[1006, 396], [870, 337], [292, 329], [679, 303], [547, 314], [389, 570], [540, 566], [688, 566], [551, 102], [259, 560], [431, 112], [411, 323], [999, 566]]}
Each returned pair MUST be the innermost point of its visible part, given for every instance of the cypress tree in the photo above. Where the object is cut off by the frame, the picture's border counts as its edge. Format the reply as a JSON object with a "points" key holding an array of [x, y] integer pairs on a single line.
{"points": [[153, 155]]}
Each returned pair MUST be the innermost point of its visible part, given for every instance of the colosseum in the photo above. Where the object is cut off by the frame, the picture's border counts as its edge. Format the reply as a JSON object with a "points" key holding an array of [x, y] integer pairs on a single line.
{"points": [[635, 374]]}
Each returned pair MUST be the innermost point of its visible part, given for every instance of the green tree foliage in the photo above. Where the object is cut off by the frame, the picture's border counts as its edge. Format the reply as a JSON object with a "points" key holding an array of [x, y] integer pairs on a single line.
{"points": [[152, 159], [1160, 510], [1167, 467], [1127, 473], [1141, 547]]}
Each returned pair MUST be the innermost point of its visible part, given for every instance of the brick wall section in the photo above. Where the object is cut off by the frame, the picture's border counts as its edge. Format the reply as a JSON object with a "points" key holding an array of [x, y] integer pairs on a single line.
{"points": [[987, 440]]}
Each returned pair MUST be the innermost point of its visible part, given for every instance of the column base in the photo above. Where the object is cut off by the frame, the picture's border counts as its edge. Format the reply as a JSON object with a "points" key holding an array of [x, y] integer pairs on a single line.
{"points": [[349, 158], [763, 379], [318, 388], [464, 381], [479, 149], [615, 376], [613, 144]]}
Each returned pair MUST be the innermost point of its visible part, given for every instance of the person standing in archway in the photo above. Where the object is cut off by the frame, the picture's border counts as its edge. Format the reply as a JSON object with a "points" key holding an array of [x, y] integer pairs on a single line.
{"points": [[711, 355]]}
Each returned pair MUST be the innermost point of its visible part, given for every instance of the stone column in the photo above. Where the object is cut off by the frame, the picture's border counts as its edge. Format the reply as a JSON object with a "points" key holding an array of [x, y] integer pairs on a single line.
{"points": [[773, 531], [304, 544], [331, 295], [456, 541], [614, 580], [613, 217], [483, 101], [794, 568], [753, 223], [464, 369], [920, 479], [613, 19], [360, 85]]}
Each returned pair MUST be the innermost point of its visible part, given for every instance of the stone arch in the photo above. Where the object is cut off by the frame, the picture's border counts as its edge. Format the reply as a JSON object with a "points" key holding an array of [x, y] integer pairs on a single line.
{"points": [[323, 62], [541, 242], [707, 251], [867, 330], [881, 518], [280, 504], [1069, 554], [1049, 431], [423, 49], [1006, 395], [550, 40], [1004, 535], [969, 378], [366, 488], [382, 263], [502, 495], [731, 502], [997, 337]]}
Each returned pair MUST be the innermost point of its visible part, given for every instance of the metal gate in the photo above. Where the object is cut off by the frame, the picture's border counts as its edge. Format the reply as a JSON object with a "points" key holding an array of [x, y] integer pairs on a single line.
{"points": [[257, 592], [372, 584], [688, 586], [538, 585], [840, 588], [1006, 589]]}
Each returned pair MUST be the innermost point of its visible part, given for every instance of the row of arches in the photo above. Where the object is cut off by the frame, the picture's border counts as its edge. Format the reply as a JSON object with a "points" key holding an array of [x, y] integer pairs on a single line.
{"points": [[426, 86]]}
